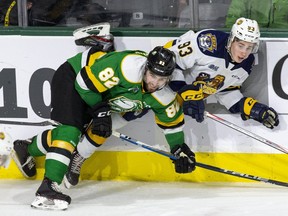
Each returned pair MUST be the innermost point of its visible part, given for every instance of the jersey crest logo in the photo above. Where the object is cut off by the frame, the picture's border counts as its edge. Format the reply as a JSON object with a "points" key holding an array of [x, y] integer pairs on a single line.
{"points": [[208, 42], [123, 104], [211, 84], [134, 89]]}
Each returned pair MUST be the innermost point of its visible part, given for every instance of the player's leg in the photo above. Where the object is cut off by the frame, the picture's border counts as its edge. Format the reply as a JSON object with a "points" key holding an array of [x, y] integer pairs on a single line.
{"points": [[24, 152], [70, 110], [49, 195], [86, 148]]}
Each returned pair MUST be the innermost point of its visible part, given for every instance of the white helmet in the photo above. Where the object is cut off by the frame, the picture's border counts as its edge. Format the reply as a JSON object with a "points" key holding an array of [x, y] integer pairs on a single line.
{"points": [[246, 30], [5, 149]]}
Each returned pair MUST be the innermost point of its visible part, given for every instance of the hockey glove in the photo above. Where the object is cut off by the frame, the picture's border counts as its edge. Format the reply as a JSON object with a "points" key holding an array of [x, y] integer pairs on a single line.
{"points": [[130, 116], [193, 104], [186, 162], [102, 122], [259, 112], [195, 109]]}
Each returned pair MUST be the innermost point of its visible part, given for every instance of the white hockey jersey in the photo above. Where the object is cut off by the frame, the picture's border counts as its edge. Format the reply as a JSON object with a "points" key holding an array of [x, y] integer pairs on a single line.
{"points": [[203, 56]]}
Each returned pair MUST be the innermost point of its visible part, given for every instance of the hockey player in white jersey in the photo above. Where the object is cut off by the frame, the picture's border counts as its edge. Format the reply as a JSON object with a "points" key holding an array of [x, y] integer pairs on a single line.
{"points": [[218, 63]]}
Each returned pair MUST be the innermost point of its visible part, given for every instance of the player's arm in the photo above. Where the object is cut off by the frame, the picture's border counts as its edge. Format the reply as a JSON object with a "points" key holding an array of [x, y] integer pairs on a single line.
{"points": [[171, 121], [248, 107], [91, 84], [252, 109], [193, 100], [186, 50]]}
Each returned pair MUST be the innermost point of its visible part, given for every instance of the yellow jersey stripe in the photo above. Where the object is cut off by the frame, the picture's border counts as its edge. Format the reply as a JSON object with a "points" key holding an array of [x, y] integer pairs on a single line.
{"points": [[95, 139], [49, 138], [169, 44], [176, 122], [95, 56], [97, 84], [63, 145]]}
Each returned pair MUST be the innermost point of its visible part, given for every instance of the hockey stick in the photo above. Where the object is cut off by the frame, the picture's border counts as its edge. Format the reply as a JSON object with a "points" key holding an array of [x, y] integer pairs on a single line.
{"points": [[242, 175], [248, 133], [204, 166], [44, 123], [143, 145]]}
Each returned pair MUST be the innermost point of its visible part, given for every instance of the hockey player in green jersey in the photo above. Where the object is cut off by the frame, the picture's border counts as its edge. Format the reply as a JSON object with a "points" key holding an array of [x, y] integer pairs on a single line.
{"points": [[116, 82]]}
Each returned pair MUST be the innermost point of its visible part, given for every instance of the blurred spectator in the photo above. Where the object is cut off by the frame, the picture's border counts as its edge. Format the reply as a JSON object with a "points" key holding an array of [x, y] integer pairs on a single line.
{"points": [[70, 13], [211, 14], [52, 12], [183, 14], [87, 14], [9, 12], [181, 5], [268, 13]]}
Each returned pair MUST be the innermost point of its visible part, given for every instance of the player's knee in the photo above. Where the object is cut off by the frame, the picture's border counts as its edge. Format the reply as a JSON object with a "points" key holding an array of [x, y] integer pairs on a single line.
{"points": [[94, 139], [65, 137]]}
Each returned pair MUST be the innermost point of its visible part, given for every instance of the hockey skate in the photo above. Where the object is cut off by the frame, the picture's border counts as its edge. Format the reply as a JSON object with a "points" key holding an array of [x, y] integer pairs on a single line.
{"points": [[97, 36], [24, 161], [71, 178], [50, 197]]}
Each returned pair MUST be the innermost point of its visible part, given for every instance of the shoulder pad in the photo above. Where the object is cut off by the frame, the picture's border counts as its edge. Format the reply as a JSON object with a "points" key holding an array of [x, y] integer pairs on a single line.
{"points": [[211, 41], [164, 96], [132, 67]]}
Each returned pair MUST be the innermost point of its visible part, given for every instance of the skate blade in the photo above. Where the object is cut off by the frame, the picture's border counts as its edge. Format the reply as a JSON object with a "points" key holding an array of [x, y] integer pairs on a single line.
{"points": [[18, 164], [49, 204]]}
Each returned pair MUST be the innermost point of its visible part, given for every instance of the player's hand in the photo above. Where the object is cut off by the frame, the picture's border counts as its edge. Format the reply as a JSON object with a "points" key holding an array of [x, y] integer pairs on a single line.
{"points": [[102, 122], [186, 162], [195, 109], [130, 116], [193, 104], [271, 119], [261, 113]]}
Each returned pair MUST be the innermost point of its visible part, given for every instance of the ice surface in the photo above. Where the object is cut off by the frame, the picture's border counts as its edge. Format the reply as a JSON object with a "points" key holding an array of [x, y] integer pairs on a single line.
{"points": [[127, 198]]}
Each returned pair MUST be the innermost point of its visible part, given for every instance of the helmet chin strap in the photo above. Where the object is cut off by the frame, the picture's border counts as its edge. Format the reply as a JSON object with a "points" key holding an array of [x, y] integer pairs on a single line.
{"points": [[230, 54], [164, 84], [158, 89]]}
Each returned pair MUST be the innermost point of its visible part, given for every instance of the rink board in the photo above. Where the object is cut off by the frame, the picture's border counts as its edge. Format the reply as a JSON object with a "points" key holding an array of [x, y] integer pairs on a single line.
{"points": [[148, 166], [25, 97]]}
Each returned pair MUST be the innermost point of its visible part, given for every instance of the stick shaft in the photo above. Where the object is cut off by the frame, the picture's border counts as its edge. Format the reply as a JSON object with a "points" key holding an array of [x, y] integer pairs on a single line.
{"points": [[143, 145], [43, 123], [204, 166], [246, 132], [241, 175]]}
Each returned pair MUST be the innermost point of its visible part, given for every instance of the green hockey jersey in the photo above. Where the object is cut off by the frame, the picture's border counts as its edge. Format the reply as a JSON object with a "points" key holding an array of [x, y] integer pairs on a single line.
{"points": [[117, 78]]}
